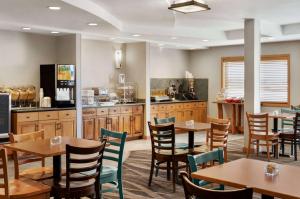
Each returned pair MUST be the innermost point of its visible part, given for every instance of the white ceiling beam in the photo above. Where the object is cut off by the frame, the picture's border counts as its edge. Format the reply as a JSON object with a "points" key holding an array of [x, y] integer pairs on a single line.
{"points": [[291, 29], [96, 10], [270, 29]]}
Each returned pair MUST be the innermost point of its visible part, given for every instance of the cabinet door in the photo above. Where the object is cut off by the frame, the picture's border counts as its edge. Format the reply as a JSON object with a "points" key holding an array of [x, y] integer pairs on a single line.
{"points": [[113, 123], [100, 123], [137, 124], [162, 114], [27, 127], [50, 128], [88, 128], [203, 114], [172, 114], [180, 116], [67, 128], [188, 115], [125, 123]]}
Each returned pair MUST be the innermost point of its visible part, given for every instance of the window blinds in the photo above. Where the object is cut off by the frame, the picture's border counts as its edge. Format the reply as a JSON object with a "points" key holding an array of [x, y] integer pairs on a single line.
{"points": [[234, 78]]}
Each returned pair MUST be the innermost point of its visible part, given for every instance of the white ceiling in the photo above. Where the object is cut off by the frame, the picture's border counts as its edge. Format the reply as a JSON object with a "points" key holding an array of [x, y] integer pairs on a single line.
{"points": [[119, 19]]}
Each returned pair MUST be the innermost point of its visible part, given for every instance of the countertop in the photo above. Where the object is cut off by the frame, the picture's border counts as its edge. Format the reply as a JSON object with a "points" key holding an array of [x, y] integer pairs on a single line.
{"points": [[99, 106], [38, 109], [178, 101]]}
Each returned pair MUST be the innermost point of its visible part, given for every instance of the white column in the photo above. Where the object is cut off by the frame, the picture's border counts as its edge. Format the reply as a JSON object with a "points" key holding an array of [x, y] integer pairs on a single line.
{"points": [[148, 91], [252, 53], [78, 87]]}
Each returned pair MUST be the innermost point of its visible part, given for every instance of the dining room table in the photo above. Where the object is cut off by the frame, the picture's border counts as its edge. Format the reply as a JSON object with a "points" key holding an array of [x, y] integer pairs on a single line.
{"points": [[276, 116], [244, 172], [47, 148]]}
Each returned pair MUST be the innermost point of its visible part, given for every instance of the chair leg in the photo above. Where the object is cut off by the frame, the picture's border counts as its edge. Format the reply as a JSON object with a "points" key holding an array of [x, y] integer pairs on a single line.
{"points": [[151, 172], [268, 150], [282, 146], [225, 154], [120, 186], [295, 149], [257, 147], [249, 147], [156, 170], [207, 137], [168, 170], [292, 147], [174, 167]]}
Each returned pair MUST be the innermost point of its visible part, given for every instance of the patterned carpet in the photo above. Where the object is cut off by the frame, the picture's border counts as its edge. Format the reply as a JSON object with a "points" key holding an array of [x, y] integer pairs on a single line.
{"points": [[136, 174]]}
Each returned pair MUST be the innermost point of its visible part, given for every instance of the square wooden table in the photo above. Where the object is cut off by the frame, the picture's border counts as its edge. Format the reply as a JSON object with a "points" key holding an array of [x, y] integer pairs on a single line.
{"points": [[44, 148], [197, 126], [250, 173]]}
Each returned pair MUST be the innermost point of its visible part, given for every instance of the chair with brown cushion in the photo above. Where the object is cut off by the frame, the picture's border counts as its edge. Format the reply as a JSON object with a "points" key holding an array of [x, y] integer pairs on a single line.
{"points": [[82, 178], [193, 191], [214, 120], [163, 150], [219, 137], [258, 133], [37, 173], [292, 136], [25, 188]]}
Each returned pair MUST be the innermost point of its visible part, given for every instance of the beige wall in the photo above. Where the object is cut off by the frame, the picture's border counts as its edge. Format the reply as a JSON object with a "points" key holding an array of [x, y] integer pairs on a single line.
{"points": [[168, 63], [207, 64], [66, 49], [21, 55]]}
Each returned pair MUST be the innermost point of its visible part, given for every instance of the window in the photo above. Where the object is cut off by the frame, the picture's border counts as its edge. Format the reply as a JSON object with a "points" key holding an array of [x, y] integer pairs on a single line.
{"points": [[274, 78]]}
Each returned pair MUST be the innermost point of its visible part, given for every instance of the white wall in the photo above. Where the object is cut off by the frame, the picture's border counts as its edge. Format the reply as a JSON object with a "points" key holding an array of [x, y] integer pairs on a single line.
{"points": [[66, 49], [207, 64], [168, 63], [21, 55]]}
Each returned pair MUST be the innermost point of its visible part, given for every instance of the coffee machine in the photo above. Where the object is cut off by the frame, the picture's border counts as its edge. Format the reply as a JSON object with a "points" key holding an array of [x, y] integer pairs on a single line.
{"points": [[59, 83]]}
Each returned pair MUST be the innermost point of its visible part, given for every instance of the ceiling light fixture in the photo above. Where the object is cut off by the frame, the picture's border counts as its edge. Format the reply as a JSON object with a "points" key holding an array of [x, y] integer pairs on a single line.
{"points": [[205, 40], [54, 32], [54, 7], [136, 35], [189, 6], [92, 24], [26, 28]]}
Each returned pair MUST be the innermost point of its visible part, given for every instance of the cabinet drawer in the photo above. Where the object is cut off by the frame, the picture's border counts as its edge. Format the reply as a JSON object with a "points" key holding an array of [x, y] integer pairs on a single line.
{"points": [[154, 108], [70, 114], [162, 107], [137, 109], [126, 109], [114, 110], [102, 111], [48, 115], [179, 106], [89, 112], [202, 104], [27, 117], [188, 105], [170, 107]]}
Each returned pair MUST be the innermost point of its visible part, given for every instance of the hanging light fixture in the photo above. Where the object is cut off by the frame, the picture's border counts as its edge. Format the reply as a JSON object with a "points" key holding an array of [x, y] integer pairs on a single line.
{"points": [[189, 6]]}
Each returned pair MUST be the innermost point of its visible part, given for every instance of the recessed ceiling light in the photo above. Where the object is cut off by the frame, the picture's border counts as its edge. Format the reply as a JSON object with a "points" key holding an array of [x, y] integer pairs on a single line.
{"points": [[54, 7], [26, 28], [174, 38], [136, 35], [92, 24], [54, 32], [112, 38], [205, 40]]}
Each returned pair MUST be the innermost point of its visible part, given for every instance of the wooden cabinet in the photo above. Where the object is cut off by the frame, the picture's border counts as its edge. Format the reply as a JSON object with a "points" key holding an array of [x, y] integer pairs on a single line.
{"points": [[54, 123], [183, 111], [125, 118]]}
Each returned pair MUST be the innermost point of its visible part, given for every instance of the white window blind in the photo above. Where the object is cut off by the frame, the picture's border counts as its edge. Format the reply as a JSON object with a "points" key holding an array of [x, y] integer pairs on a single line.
{"points": [[274, 76]]}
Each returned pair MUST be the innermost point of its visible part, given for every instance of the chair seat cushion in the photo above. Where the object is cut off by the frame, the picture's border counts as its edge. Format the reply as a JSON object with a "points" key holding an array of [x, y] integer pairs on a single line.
{"points": [[181, 145], [169, 152], [77, 184], [289, 135], [263, 135], [25, 187], [108, 174], [39, 173], [202, 149]]}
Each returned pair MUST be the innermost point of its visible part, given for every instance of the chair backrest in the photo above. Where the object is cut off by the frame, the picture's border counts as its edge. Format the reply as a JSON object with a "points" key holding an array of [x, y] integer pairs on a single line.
{"points": [[115, 147], [203, 159], [164, 120], [83, 164], [4, 173], [296, 124], [219, 134], [162, 141], [192, 191], [287, 122], [217, 120], [258, 123], [21, 158]]}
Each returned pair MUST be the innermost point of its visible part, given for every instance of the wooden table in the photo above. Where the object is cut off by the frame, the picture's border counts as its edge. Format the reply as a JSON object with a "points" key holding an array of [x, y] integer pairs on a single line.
{"points": [[192, 129], [250, 173], [43, 148], [236, 124]]}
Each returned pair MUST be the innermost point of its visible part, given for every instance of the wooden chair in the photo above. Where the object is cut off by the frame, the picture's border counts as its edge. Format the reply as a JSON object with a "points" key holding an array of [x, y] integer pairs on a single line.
{"points": [[163, 150], [113, 152], [258, 132], [20, 158], [219, 137], [82, 178], [204, 160], [293, 136], [25, 188], [217, 121], [193, 191]]}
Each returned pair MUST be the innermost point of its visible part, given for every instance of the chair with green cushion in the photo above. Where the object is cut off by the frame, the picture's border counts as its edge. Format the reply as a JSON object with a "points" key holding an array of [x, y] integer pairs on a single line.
{"points": [[113, 152], [204, 159]]}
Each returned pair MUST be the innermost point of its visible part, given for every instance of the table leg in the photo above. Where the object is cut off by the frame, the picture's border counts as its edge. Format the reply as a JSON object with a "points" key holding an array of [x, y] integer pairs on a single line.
{"points": [[239, 118], [266, 197], [191, 139], [275, 125], [56, 169], [220, 111], [233, 120]]}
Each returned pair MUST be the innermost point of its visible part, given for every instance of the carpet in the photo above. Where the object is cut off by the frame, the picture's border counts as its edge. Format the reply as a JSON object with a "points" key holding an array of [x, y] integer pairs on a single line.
{"points": [[136, 173]]}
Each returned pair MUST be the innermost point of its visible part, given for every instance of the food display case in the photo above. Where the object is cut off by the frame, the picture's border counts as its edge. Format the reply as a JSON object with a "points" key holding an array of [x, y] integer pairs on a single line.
{"points": [[127, 92]]}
